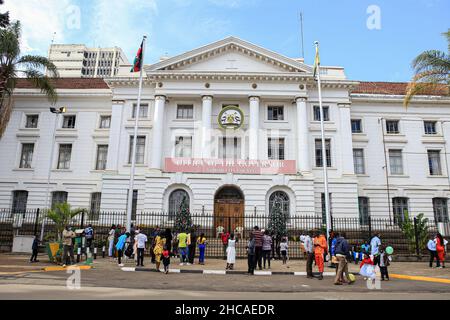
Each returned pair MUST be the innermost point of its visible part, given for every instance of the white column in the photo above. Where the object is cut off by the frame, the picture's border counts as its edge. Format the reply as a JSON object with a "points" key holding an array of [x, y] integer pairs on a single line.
{"points": [[346, 139], [115, 135], [253, 128], [206, 126], [157, 132], [303, 156]]}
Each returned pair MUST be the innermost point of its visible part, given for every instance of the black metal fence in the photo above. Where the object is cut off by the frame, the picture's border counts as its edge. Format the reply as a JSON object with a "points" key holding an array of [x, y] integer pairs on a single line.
{"points": [[32, 221]]}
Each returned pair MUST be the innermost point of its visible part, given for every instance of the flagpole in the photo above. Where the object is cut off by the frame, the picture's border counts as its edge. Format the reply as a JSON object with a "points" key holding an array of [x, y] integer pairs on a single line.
{"points": [[133, 152], [324, 153]]}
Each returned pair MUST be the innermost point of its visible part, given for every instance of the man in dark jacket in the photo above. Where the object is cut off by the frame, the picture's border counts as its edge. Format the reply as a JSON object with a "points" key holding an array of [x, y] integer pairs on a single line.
{"points": [[342, 251], [251, 255], [35, 248]]}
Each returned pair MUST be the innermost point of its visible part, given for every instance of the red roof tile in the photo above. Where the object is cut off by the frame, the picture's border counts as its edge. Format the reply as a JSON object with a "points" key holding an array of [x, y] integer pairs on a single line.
{"points": [[67, 83], [394, 88]]}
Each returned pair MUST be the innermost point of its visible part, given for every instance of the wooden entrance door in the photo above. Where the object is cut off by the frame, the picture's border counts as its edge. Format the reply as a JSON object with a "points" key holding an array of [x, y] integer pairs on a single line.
{"points": [[229, 214]]}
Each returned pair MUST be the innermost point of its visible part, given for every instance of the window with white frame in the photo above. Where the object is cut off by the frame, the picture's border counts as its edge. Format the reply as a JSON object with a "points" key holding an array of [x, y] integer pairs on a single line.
{"points": [[229, 148], [396, 161], [143, 111], [19, 203], [326, 113], [65, 153], [356, 125], [430, 127], [319, 154], [58, 197], [69, 122], [440, 208], [434, 162], [96, 199], [185, 111], [32, 121], [177, 198], [392, 127], [102, 157], [275, 148], [364, 215], [275, 113], [183, 147], [358, 160], [400, 209], [105, 122], [140, 149], [26, 156]]}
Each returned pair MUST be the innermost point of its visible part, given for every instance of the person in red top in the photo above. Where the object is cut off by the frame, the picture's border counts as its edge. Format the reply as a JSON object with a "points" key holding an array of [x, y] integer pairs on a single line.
{"points": [[440, 249], [320, 247], [225, 236]]}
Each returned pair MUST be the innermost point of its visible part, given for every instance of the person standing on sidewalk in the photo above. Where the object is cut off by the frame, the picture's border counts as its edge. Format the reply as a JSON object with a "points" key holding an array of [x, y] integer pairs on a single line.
{"points": [[68, 236], [440, 249], [182, 238], [251, 255], [431, 246], [120, 246], [111, 234], [224, 236], [266, 248], [309, 249], [192, 245], [141, 240], [375, 244], [201, 241], [320, 247], [231, 252], [160, 242], [342, 251], [34, 248], [257, 235]]}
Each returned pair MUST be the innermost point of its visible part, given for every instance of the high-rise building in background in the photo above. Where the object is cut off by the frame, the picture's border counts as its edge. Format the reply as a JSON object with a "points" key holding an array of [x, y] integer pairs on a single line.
{"points": [[77, 60]]}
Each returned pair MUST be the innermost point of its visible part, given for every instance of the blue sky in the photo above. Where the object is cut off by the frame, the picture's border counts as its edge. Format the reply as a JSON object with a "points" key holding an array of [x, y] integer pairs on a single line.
{"points": [[175, 26]]}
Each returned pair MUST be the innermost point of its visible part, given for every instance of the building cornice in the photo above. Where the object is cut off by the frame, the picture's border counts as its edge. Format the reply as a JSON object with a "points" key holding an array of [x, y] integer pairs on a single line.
{"points": [[362, 97]]}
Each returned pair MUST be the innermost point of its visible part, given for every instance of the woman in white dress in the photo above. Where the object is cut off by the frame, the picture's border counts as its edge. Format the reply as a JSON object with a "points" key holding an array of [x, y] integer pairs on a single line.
{"points": [[231, 252]]}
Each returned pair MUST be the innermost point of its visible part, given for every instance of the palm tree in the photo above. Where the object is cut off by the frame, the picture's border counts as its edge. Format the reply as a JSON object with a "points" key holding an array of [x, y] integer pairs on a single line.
{"points": [[432, 73], [62, 215], [13, 66]]}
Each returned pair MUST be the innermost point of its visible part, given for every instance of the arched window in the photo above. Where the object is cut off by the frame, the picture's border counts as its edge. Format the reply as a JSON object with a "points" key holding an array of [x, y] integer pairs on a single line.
{"points": [[176, 198], [283, 199]]}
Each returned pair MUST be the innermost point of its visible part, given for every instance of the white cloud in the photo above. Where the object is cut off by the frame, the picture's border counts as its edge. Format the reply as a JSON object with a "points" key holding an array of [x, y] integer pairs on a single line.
{"points": [[40, 20]]}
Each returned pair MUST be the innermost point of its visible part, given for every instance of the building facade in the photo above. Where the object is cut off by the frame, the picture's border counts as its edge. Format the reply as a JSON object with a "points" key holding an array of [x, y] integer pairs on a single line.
{"points": [[231, 127], [77, 60]]}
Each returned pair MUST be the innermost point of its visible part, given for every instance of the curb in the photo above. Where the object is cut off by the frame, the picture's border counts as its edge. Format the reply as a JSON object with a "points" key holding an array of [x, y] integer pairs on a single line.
{"points": [[227, 272], [50, 269]]}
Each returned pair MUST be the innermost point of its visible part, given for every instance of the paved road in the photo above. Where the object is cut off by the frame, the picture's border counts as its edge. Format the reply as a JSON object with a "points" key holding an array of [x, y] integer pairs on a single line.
{"points": [[110, 284]]}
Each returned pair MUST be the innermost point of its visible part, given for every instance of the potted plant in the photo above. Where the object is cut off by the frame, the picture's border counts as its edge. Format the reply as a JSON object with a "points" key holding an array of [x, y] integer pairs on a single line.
{"points": [[62, 215]]}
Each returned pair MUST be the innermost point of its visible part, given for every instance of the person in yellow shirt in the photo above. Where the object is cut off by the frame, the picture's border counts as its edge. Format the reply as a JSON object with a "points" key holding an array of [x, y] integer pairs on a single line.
{"points": [[160, 241], [201, 241], [320, 247]]}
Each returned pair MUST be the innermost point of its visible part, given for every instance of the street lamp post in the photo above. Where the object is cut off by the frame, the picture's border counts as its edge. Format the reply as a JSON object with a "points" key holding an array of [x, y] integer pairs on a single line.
{"points": [[57, 112]]}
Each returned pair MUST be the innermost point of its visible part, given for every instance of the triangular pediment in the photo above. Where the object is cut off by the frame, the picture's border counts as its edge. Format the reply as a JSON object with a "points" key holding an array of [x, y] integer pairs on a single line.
{"points": [[231, 55]]}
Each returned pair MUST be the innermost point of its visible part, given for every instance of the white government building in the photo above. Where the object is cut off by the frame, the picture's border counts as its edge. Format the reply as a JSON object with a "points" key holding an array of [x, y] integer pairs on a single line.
{"points": [[230, 126]]}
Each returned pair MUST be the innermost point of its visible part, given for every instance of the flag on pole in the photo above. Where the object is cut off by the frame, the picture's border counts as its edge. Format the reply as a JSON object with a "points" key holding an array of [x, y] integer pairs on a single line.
{"points": [[138, 60], [316, 61]]}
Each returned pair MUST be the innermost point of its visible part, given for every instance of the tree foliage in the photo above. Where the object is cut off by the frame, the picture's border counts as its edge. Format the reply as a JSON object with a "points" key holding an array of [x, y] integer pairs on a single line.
{"points": [[277, 218], [407, 227], [183, 220], [431, 73], [38, 70], [62, 215]]}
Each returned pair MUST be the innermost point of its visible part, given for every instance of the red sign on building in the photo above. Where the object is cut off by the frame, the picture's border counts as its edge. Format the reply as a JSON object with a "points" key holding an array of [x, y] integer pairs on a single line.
{"points": [[237, 166]]}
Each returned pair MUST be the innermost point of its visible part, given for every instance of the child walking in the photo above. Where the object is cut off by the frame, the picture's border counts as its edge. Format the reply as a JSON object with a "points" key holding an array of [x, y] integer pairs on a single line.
{"points": [[366, 268], [284, 249], [231, 252], [384, 263], [166, 259]]}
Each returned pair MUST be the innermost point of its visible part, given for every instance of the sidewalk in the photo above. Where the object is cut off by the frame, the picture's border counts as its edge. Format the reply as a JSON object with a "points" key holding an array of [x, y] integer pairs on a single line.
{"points": [[20, 263]]}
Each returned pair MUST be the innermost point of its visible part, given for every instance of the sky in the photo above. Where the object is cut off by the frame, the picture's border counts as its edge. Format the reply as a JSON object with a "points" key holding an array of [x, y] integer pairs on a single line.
{"points": [[374, 40]]}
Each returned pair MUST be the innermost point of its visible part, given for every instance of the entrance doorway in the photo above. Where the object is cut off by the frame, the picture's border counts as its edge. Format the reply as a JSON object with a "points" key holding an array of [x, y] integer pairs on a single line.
{"points": [[229, 208]]}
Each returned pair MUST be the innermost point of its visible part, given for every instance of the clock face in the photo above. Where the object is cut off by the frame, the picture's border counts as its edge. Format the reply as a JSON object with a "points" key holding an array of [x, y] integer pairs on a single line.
{"points": [[231, 117]]}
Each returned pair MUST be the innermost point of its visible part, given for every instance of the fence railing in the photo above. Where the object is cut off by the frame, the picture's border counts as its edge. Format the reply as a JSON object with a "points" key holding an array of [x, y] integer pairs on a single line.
{"points": [[31, 222]]}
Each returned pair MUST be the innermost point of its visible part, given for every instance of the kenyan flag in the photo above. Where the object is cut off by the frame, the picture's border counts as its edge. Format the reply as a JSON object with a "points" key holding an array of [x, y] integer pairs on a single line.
{"points": [[138, 60]]}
